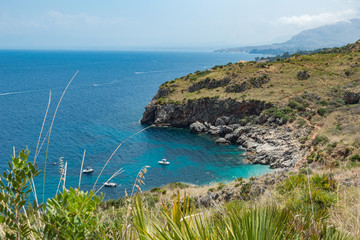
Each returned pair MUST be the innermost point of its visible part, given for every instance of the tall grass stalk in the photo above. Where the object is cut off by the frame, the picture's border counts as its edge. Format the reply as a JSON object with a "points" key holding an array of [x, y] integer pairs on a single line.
{"points": [[52, 123], [81, 169], [62, 170], [93, 189], [64, 188], [42, 128], [311, 199]]}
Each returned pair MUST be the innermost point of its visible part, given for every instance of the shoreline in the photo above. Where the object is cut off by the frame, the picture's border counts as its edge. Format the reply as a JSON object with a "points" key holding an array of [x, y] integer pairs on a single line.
{"points": [[267, 140]]}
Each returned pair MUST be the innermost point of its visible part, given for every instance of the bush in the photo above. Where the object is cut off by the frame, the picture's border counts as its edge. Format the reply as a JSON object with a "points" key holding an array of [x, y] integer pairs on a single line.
{"points": [[284, 114], [293, 104], [320, 139], [355, 158], [322, 111], [177, 185], [220, 186], [245, 191], [323, 102]]}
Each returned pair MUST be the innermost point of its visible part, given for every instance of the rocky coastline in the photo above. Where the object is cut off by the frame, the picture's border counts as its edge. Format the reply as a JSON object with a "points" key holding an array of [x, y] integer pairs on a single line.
{"points": [[267, 140]]}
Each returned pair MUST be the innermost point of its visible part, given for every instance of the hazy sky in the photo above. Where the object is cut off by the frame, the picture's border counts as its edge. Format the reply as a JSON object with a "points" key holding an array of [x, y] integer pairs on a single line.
{"points": [[123, 24]]}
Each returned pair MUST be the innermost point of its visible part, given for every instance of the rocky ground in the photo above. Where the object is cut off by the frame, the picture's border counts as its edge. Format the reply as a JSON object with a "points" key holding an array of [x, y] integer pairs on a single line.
{"points": [[277, 146]]}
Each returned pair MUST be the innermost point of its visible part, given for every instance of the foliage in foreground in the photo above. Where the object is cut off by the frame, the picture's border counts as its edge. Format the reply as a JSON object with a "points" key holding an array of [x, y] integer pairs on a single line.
{"points": [[74, 214]]}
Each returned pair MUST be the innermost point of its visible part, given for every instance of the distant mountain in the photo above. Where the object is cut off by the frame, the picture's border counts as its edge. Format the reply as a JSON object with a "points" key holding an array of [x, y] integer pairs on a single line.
{"points": [[334, 35]]}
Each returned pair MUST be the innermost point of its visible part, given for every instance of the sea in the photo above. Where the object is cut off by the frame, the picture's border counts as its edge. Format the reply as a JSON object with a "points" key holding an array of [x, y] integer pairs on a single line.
{"points": [[101, 108]]}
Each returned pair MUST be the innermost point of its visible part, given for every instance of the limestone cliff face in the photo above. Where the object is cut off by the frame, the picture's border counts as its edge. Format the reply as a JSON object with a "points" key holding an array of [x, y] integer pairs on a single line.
{"points": [[202, 110]]}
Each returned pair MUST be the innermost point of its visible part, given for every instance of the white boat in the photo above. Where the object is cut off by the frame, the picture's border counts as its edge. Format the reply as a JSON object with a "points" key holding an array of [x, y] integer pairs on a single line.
{"points": [[164, 162], [110, 184], [88, 170]]}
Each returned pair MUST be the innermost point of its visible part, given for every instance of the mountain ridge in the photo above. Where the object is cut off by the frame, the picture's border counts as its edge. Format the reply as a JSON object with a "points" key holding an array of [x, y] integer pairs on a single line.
{"points": [[328, 36]]}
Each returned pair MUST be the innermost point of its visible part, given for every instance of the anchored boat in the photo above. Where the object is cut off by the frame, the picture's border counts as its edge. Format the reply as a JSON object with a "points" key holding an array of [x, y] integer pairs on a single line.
{"points": [[88, 170], [110, 184], [164, 162]]}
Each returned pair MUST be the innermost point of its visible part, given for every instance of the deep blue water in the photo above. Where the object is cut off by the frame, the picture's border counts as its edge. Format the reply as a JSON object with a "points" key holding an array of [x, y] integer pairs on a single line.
{"points": [[101, 108]]}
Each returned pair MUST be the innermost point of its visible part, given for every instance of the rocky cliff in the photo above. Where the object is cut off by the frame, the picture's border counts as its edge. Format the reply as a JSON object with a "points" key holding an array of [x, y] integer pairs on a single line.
{"points": [[202, 110], [266, 144]]}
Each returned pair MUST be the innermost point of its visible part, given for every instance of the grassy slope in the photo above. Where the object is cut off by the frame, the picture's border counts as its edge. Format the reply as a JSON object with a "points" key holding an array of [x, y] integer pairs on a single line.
{"points": [[326, 71]]}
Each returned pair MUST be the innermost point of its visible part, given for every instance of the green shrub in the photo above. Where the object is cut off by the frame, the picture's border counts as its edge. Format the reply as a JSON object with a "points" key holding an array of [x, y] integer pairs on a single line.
{"points": [[15, 189], [322, 111], [155, 189], [285, 114], [245, 191], [355, 158], [220, 186], [71, 215], [323, 103], [320, 139], [311, 157], [293, 104], [239, 179], [177, 185]]}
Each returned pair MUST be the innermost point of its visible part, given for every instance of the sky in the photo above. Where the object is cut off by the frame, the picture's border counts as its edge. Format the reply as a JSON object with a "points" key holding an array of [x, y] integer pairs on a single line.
{"points": [[162, 24]]}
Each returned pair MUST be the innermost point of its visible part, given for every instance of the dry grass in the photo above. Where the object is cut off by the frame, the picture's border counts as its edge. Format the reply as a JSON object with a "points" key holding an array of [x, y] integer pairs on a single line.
{"points": [[346, 213], [326, 71], [343, 125]]}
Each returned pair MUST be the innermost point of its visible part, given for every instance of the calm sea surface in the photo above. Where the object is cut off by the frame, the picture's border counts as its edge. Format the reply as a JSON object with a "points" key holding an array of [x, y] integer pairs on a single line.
{"points": [[101, 108]]}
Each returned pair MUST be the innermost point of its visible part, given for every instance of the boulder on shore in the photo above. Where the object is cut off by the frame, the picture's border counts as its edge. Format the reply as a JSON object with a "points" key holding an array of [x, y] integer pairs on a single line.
{"points": [[197, 127], [222, 141]]}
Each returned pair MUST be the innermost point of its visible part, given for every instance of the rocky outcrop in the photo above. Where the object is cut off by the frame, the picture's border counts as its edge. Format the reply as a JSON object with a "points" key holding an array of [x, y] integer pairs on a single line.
{"points": [[351, 97], [202, 110], [162, 92], [197, 127], [303, 75], [209, 84], [268, 145], [253, 82], [222, 141], [241, 189]]}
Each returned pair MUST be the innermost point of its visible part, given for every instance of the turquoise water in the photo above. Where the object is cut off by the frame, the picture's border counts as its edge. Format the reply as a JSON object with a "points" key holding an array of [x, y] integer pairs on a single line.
{"points": [[103, 107]]}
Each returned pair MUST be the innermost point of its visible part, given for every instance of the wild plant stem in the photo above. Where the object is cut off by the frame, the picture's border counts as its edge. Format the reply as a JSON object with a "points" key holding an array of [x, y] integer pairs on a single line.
{"points": [[48, 142], [81, 169], [65, 170], [42, 128]]}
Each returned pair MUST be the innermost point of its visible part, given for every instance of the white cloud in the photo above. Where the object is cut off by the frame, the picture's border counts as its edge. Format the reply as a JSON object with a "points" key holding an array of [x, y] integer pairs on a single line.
{"points": [[311, 21]]}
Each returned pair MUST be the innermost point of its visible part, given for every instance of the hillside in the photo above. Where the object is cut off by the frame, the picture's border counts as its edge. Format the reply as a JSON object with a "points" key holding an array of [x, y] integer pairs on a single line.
{"points": [[310, 100], [333, 35]]}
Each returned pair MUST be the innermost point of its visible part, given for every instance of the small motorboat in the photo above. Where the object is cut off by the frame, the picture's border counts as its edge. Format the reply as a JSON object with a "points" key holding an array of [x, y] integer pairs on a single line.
{"points": [[110, 184], [88, 170], [164, 162]]}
